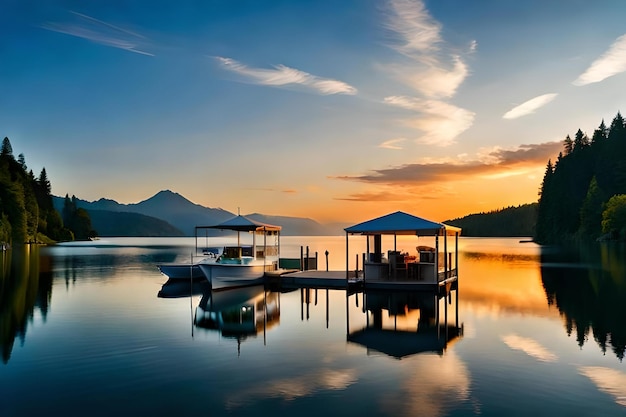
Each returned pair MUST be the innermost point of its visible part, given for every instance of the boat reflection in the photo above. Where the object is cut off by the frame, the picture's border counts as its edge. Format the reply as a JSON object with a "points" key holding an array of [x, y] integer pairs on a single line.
{"points": [[175, 288], [238, 312], [407, 323]]}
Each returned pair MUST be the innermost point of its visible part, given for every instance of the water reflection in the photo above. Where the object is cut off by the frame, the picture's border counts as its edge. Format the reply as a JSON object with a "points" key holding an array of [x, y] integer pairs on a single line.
{"points": [[238, 312], [182, 288], [401, 324], [588, 286], [25, 288]]}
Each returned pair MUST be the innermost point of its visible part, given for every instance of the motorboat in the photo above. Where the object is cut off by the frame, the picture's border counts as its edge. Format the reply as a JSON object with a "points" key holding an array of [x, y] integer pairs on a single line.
{"points": [[240, 264], [188, 270], [243, 264]]}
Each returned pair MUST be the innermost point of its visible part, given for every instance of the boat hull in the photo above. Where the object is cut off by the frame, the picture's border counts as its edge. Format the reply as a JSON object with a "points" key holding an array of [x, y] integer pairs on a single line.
{"points": [[233, 275], [181, 271]]}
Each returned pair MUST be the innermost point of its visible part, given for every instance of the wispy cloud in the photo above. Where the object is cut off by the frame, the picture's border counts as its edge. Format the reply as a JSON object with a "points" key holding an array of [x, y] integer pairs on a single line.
{"points": [[612, 62], [274, 190], [398, 195], [392, 144], [441, 122], [417, 32], [491, 164], [281, 75], [529, 106], [431, 69], [530, 347], [103, 33]]}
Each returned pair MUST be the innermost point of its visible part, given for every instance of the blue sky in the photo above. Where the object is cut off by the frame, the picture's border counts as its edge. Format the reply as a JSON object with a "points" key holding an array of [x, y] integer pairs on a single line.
{"points": [[334, 110]]}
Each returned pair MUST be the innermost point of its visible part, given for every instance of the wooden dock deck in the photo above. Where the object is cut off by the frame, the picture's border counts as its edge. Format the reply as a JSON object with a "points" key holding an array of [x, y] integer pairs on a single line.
{"points": [[313, 279], [337, 280]]}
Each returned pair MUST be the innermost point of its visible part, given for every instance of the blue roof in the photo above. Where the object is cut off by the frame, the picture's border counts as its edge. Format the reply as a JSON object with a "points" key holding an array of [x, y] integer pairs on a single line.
{"points": [[402, 224], [242, 224]]}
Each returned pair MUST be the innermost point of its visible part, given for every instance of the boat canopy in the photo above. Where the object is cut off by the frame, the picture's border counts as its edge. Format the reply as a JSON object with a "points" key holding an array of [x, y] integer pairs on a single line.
{"points": [[400, 223], [242, 224]]}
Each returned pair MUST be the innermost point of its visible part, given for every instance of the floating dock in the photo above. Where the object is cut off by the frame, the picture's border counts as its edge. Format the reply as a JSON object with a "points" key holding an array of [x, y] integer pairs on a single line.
{"points": [[290, 279]]}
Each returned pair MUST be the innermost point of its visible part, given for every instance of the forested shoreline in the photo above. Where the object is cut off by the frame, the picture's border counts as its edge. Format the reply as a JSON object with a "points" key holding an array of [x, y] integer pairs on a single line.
{"points": [[27, 214], [583, 194], [506, 222]]}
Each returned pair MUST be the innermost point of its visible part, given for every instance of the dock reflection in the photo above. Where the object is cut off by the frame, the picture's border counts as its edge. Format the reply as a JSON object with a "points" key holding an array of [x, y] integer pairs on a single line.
{"points": [[401, 324], [397, 324]]}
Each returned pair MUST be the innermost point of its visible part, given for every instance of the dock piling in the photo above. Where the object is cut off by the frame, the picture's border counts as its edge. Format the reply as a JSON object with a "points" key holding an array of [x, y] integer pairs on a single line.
{"points": [[326, 259]]}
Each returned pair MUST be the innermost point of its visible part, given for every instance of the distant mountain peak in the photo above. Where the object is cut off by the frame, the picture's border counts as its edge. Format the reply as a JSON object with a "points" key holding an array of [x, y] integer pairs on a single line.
{"points": [[166, 196]]}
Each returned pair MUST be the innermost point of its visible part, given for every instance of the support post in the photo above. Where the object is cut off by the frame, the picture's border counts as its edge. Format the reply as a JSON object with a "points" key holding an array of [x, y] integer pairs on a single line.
{"points": [[326, 260], [445, 253], [306, 263], [436, 259], [347, 263]]}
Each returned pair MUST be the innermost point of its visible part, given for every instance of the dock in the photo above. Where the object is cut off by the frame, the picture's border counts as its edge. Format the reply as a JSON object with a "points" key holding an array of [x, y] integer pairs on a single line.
{"points": [[291, 279], [313, 279]]}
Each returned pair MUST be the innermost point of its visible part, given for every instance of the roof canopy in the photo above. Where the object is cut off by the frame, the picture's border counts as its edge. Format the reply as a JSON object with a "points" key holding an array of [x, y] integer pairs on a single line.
{"points": [[242, 224], [400, 223]]}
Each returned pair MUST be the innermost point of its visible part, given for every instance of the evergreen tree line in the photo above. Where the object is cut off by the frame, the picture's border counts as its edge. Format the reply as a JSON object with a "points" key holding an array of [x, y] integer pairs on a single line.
{"points": [[583, 194], [507, 222], [27, 213]]}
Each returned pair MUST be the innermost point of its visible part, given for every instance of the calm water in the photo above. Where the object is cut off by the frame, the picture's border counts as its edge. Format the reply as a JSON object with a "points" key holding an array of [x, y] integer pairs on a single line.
{"points": [[91, 329]]}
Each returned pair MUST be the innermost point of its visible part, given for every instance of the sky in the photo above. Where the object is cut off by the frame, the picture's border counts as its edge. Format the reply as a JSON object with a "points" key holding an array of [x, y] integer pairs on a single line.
{"points": [[332, 110]]}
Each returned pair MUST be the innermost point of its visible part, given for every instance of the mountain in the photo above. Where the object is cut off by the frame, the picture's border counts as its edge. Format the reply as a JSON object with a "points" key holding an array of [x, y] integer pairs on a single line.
{"points": [[296, 226], [179, 213], [120, 223]]}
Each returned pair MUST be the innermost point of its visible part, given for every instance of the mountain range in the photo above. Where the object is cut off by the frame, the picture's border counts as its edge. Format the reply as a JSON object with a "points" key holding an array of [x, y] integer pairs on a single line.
{"points": [[170, 214]]}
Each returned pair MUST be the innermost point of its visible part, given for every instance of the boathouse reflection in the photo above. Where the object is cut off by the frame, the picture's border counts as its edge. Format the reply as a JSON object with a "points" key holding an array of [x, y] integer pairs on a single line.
{"points": [[239, 312], [588, 286], [400, 324]]}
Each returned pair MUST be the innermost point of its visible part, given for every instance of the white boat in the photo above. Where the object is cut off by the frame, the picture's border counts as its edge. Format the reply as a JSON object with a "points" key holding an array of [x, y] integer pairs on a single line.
{"points": [[186, 270], [181, 271], [243, 264], [234, 265]]}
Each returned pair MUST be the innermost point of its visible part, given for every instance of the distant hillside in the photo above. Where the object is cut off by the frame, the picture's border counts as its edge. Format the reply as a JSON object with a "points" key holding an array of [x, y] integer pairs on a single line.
{"points": [[112, 223], [167, 206], [183, 215], [508, 222], [296, 226]]}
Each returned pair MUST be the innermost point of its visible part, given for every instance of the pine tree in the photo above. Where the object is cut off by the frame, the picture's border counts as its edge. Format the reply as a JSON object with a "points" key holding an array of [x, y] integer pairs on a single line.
{"points": [[7, 149], [22, 161], [568, 145], [44, 182], [580, 140], [591, 212]]}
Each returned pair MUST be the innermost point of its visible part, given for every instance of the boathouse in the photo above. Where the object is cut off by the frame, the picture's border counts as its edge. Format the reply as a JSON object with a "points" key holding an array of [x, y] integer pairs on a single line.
{"points": [[428, 266]]}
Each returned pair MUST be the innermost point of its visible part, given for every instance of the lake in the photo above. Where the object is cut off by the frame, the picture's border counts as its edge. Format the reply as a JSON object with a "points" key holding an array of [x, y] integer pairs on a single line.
{"points": [[92, 328]]}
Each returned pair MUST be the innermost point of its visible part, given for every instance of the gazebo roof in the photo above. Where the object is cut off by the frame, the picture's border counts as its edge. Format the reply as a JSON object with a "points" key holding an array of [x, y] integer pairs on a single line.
{"points": [[242, 224], [400, 223]]}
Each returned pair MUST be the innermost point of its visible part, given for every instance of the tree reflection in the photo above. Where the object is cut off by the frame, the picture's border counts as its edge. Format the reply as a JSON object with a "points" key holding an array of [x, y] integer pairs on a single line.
{"points": [[588, 286], [25, 286]]}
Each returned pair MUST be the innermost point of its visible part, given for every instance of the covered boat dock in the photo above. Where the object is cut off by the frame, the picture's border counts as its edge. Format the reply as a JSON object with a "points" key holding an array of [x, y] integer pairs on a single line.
{"points": [[429, 268]]}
